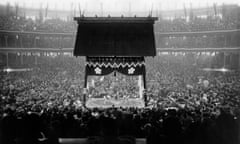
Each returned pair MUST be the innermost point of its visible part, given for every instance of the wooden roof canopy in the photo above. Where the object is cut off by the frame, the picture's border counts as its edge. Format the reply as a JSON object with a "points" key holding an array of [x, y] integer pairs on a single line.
{"points": [[115, 36]]}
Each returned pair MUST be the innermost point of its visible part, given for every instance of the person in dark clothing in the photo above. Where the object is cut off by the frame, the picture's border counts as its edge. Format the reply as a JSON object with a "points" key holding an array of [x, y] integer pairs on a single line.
{"points": [[172, 128], [9, 129], [30, 129]]}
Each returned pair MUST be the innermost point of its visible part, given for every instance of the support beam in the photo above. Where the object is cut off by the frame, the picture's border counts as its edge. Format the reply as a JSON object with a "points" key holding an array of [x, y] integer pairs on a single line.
{"points": [[85, 88], [6, 41], [21, 59], [21, 44], [35, 42], [140, 85], [145, 88], [7, 60], [239, 61], [36, 59], [224, 60]]}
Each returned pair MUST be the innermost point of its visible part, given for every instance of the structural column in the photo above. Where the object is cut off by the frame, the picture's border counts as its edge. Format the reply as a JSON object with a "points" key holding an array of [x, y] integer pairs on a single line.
{"points": [[16, 39], [145, 88], [21, 44], [35, 42], [21, 59], [239, 61], [7, 60], [232, 62], [6, 41], [36, 60], [224, 59], [85, 88], [140, 85]]}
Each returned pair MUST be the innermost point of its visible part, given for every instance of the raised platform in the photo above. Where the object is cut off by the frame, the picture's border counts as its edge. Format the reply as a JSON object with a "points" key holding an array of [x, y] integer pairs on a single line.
{"points": [[85, 141], [106, 103]]}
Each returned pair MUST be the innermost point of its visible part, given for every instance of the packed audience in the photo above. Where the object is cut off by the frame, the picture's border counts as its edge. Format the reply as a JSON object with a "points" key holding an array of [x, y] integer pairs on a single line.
{"points": [[13, 23], [185, 105], [210, 23], [193, 23], [65, 32]]}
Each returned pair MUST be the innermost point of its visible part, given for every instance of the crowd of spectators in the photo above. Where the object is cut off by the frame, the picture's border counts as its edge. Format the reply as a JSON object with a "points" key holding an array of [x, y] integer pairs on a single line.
{"points": [[187, 84], [68, 28], [43, 85], [186, 105], [13, 23], [211, 23], [177, 24], [57, 41]]}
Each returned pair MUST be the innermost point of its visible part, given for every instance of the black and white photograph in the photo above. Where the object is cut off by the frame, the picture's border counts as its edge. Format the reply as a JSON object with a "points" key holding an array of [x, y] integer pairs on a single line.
{"points": [[120, 72]]}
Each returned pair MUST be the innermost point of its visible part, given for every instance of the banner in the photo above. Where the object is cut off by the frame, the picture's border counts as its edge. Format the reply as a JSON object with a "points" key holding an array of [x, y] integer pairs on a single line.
{"points": [[101, 71], [125, 65]]}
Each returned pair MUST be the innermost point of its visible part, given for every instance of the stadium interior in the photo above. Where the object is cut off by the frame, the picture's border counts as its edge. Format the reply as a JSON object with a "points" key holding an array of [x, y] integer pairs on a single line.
{"points": [[192, 84]]}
